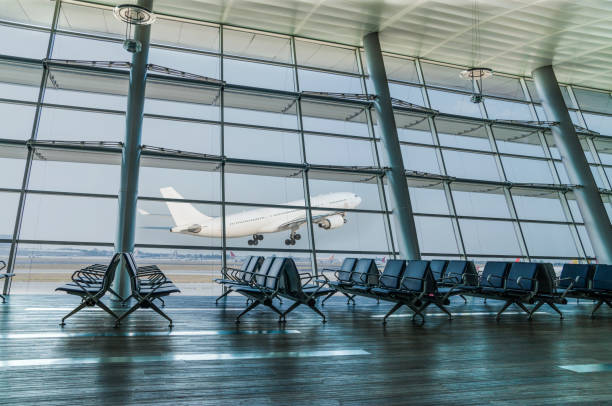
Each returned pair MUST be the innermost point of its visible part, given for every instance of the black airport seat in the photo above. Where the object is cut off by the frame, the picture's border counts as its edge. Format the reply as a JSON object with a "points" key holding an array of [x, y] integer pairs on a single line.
{"points": [[390, 278], [3, 276], [364, 277], [343, 276], [239, 277], [263, 286], [438, 268], [493, 277], [91, 294], [459, 278], [601, 288], [577, 279], [145, 294], [416, 289]]}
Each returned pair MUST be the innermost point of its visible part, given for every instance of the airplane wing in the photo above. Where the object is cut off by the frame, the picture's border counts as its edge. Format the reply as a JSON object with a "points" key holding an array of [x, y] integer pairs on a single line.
{"points": [[294, 225]]}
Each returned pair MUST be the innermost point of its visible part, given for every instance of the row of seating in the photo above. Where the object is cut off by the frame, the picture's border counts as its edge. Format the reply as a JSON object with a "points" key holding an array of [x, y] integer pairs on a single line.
{"points": [[147, 284]]}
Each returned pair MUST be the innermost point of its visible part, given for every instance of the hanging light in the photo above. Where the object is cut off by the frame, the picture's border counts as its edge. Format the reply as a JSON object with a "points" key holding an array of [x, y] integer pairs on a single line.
{"points": [[476, 74], [132, 15]]}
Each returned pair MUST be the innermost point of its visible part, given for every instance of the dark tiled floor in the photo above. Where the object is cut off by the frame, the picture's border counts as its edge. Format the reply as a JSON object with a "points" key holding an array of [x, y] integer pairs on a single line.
{"points": [[351, 360]]}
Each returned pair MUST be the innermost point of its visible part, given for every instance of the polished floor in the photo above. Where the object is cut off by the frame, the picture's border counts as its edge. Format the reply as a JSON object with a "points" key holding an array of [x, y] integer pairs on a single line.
{"points": [[206, 359]]}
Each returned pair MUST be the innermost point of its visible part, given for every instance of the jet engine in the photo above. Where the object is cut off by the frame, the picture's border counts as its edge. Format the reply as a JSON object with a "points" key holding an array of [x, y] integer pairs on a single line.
{"points": [[194, 228], [331, 222]]}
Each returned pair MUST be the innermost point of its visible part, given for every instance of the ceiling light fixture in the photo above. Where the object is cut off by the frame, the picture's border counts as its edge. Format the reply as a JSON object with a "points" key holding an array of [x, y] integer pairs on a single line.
{"points": [[132, 15], [476, 74]]}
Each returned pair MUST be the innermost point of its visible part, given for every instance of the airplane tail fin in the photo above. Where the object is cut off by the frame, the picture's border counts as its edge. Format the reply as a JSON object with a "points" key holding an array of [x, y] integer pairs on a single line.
{"points": [[182, 213]]}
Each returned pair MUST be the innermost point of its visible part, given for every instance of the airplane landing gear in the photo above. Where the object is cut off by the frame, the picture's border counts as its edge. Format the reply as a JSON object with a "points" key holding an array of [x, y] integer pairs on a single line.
{"points": [[292, 239], [256, 239]]}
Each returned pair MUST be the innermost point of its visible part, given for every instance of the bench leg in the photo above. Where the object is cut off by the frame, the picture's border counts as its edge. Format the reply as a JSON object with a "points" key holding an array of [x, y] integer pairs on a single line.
{"points": [[464, 298], [275, 309], [314, 308], [227, 292], [390, 312], [289, 310], [3, 298], [503, 309], [350, 298], [130, 311], [555, 308], [534, 309], [76, 309], [161, 312], [330, 294], [597, 306], [248, 309], [522, 306], [444, 309]]}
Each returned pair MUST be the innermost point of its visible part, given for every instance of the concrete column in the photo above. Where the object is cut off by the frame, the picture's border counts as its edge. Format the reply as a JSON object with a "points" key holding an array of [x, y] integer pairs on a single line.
{"points": [[587, 194], [396, 178], [130, 159]]}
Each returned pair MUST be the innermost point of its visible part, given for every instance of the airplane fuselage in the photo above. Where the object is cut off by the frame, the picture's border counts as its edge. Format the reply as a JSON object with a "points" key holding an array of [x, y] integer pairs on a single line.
{"points": [[272, 220]]}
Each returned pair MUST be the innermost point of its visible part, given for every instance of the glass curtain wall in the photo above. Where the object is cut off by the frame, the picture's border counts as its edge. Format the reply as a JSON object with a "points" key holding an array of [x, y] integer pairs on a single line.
{"points": [[239, 124]]}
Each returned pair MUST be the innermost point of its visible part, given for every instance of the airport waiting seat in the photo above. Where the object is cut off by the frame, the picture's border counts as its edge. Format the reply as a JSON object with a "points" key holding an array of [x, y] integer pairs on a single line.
{"points": [[459, 278], [263, 286], [3, 276], [91, 294], [576, 279], [343, 276], [364, 277], [416, 289], [601, 288], [438, 268], [239, 277], [146, 294]]}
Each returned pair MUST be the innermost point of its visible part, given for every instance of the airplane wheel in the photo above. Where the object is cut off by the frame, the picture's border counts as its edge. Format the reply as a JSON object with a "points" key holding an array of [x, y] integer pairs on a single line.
{"points": [[297, 236], [292, 242], [251, 242], [287, 242], [260, 237], [255, 242]]}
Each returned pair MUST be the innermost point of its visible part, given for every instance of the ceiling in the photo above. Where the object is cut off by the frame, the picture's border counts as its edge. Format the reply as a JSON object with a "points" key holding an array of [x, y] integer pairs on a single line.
{"points": [[516, 36]]}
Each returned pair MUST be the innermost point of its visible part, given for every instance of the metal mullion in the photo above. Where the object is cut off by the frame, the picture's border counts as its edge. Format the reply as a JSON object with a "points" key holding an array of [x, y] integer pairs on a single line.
{"points": [[82, 108], [450, 201], [18, 102], [70, 194], [305, 178], [573, 226], [345, 136], [28, 166], [62, 242], [25, 26], [222, 151]]}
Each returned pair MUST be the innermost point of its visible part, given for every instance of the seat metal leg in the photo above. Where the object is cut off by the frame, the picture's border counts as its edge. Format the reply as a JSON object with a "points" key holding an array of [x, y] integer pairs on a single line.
{"points": [[76, 309], [444, 309], [289, 310], [248, 309], [227, 292], [464, 298], [160, 312], [555, 308], [534, 309], [390, 312], [3, 298], [130, 311], [351, 298], [608, 303], [314, 308], [522, 306], [597, 306], [330, 294], [503, 309], [275, 309]]}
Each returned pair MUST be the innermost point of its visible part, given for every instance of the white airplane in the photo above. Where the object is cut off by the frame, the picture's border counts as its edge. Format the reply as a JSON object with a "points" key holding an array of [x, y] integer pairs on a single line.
{"points": [[255, 223]]}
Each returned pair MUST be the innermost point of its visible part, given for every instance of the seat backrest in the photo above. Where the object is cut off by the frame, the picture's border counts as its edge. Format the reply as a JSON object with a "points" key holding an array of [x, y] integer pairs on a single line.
{"points": [[463, 272], [247, 262], [569, 273], [438, 268], [392, 274], [365, 266], [499, 272], [524, 270], [546, 277], [109, 274], [262, 272], [273, 277], [290, 280], [253, 266], [132, 270], [346, 270], [602, 278], [418, 277]]}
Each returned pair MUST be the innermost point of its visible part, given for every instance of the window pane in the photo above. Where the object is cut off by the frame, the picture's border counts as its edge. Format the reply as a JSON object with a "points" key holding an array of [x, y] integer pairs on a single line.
{"points": [[68, 218], [23, 42], [527, 170], [453, 103], [586, 242], [258, 74], [420, 159], [600, 102], [12, 171], [85, 49], [463, 134], [553, 240], [184, 34], [431, 201], [504, 110], [181, 100], [518, 141], [410, 127], [481, 204], [260, 109], [410, 94], [435, 235], [503, 86], [74, 125], [338, 151], [444, 76], [321, 55], [257, 45], [538, 208], [315, 81], [270, 189], [253, 143], [399, 69], [191, 184], [599, 123], [17, 121], [36, 12], [367, 192], [334, 118], [19, 81], [9, 203], [74, 176], [186, 136], [470, 166], [361, 232], [489, 237], [203, 65]]}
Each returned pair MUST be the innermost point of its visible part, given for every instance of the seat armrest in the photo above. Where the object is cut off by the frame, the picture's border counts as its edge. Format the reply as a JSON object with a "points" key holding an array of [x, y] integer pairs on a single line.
{"points": [[2, 265], [521, 278], [488, 280]]}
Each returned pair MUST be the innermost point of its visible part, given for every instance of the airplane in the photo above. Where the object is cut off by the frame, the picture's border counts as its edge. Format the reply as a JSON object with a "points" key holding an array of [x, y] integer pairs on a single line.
{"points": [[255, 223]]}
